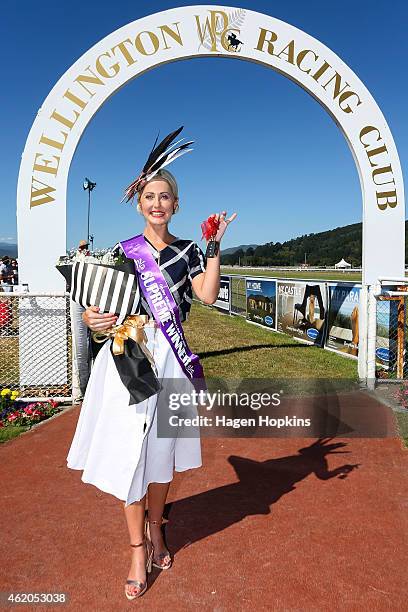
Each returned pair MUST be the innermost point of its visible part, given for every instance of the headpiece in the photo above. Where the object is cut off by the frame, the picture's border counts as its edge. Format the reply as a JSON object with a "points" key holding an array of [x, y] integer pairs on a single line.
{"points": [[160, 156]]}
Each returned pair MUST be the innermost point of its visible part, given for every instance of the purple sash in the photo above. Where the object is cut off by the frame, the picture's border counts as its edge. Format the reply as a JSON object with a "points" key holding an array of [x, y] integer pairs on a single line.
{"points": [[163, 306]]}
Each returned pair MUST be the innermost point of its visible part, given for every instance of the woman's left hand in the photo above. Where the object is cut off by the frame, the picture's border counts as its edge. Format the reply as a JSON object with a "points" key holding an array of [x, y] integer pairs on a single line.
{"points": [[223, 223]]}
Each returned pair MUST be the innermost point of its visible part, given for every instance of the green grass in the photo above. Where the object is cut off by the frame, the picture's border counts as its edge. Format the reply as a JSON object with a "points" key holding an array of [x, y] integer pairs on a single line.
{"points": [[10, 432], [231, 347], [304, 274], [402, 423]]}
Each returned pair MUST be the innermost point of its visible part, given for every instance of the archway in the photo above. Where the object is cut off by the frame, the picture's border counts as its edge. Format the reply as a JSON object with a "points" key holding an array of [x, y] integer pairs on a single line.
{"points": [[193, 31]]}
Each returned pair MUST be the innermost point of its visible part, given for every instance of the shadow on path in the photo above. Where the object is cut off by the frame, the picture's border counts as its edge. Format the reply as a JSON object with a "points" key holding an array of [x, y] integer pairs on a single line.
{"points": [[261, 484]]}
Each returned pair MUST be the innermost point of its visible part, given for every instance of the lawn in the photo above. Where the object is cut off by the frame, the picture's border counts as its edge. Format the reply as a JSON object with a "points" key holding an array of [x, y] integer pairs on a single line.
{"points": [[10, 432], [302, 274], [229, 346]]}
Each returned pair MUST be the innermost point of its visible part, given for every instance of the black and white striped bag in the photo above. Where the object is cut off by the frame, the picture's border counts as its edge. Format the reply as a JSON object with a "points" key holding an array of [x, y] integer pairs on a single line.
{"points": [[108, 287]]}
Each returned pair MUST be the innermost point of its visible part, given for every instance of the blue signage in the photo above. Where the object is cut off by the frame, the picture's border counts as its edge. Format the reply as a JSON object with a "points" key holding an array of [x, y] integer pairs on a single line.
{"points": [[384, 354], [312, 333]]}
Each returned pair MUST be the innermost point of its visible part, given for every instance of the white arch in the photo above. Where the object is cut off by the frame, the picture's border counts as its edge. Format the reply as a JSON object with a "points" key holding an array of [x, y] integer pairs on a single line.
{"points": [[187, 32]]}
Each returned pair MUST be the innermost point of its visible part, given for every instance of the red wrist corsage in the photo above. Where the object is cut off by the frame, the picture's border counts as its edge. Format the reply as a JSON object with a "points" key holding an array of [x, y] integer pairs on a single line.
{"points": [[210, 227]]}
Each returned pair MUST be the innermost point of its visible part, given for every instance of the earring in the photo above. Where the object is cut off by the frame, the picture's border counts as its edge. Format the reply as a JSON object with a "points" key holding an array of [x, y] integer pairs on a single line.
{"points": [[139, 210]]}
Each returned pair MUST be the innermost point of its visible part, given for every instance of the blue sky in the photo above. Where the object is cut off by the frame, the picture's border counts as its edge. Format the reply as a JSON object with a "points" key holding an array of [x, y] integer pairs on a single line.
{"points": [[248, 155]]}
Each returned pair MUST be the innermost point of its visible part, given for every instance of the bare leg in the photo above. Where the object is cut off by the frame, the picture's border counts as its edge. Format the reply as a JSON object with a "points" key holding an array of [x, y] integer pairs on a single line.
{"points": [[157, 493], [135, 516]]}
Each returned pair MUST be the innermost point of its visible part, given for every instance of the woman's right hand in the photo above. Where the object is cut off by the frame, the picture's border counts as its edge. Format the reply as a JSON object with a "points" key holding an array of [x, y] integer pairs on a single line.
{"points": [[97, 321]]}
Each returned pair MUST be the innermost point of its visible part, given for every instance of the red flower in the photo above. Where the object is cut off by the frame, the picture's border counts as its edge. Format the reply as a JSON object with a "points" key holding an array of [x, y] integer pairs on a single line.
{"points": [[210, 227]]}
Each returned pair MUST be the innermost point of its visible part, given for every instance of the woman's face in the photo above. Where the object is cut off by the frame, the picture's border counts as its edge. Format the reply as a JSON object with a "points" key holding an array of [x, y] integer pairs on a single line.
{"points": [[157, 202]]}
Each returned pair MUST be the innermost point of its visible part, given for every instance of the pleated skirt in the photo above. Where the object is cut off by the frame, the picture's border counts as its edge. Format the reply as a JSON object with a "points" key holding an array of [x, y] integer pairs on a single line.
{"points": [[117, 452]]}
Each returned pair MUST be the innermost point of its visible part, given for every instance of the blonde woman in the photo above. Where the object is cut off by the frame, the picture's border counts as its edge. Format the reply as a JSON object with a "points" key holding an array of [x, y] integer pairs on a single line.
{"points": [[116, 444]]}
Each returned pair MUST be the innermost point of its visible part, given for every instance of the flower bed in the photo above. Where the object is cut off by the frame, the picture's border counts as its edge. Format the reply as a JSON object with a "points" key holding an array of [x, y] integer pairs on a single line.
{"points": [[14, 412], [401, 395]]}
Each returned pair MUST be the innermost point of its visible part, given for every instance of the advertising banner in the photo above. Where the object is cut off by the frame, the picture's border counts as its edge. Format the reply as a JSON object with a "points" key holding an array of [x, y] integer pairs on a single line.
{"points": [[223, 300], [343, 318], [302, 310], [261, 301]]}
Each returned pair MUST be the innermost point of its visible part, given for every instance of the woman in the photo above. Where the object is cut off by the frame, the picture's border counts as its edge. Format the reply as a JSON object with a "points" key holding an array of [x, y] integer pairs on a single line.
{"points": [[133, 464]]}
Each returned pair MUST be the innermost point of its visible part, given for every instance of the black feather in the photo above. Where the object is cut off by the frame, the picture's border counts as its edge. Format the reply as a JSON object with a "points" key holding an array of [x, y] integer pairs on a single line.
{"points": [[161, 148], [163, 159], [157, 137]]}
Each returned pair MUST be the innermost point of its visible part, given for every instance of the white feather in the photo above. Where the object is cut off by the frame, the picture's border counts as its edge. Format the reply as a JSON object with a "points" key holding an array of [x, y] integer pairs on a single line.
{"points": [[179, 154], [171, 148]]}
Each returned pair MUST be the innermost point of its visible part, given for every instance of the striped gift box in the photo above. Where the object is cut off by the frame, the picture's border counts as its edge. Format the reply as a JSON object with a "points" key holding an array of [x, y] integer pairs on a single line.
{"points": [[110, 288]]}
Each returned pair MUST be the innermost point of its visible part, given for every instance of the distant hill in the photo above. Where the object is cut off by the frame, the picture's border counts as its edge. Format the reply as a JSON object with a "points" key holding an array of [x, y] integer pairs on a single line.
{"points": [[322, 249], [7, 248], [243, 247]]}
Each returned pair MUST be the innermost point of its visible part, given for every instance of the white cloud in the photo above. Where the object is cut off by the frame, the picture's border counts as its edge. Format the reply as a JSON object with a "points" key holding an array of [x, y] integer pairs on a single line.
{"points": [[8, 239]]}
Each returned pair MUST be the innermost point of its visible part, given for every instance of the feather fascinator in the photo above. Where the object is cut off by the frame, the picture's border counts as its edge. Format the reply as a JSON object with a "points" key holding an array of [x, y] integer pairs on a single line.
{"points": [[160, 156]]}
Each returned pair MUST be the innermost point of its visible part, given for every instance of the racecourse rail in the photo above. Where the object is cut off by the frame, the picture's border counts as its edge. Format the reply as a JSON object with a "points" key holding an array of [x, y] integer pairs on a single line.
{"points": [[36, 348]]}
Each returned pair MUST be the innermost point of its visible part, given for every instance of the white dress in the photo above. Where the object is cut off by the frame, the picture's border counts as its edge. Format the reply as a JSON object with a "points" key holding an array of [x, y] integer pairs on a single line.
{"points": [[109, 443]]}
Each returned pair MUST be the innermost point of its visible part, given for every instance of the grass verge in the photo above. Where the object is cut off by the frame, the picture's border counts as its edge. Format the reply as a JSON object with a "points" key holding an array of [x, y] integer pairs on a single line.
{"points": [[303, 274], [10, 432], [402, 422], [232, 347]]}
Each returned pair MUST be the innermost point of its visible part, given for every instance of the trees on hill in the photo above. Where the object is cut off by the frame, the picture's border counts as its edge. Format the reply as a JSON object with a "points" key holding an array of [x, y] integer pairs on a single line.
{"points": [[322, 249]]}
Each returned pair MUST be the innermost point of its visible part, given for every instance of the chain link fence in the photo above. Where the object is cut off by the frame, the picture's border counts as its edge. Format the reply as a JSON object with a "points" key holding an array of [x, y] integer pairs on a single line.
{"points": [[36, 345], [391, 338]]}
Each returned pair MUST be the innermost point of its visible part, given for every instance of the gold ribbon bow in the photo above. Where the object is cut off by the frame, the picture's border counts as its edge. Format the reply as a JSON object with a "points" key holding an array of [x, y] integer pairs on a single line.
{"points": [[132, 327]]}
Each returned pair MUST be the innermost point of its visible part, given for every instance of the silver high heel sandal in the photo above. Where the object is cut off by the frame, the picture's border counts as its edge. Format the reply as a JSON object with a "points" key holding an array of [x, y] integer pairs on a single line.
{"points": [[137, 583], [158, 561]]}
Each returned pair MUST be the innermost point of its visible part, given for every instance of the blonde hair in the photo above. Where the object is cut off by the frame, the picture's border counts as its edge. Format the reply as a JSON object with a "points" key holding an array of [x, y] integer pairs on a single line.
{"points": [[163, 175]]}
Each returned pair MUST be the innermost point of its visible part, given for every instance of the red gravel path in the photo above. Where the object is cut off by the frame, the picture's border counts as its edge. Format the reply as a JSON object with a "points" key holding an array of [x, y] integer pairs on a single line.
{"points": [[261, 525]]}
